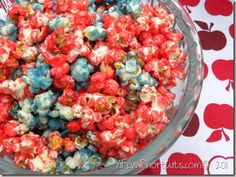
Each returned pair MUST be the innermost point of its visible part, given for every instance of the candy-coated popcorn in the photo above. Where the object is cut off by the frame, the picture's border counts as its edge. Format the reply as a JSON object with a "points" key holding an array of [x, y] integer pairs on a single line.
{"points": [[62, 111], [9, 31], [110, 161], [94, 33], [43, 102], [45, 162], [80, 142], [13, 128], [98, 54], [55, 141], [18, 88], [81, 70], [24, 112], [58, 22], [74, 162], [38, 77], [62, 168], [38, 6], [69, 145], [131, 7], [85, 83]]}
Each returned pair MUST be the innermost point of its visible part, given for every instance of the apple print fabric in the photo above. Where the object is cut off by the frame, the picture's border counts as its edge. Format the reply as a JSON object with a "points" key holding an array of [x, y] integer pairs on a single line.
{"points": [[206, 146]]}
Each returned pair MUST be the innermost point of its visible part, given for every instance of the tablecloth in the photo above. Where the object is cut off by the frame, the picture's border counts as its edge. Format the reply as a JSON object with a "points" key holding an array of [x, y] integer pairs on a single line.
{"points": [[206, 146]]}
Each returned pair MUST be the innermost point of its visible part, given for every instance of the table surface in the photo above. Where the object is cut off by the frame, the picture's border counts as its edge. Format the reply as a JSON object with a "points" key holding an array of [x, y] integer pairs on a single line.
{"points": [[206, 147]]}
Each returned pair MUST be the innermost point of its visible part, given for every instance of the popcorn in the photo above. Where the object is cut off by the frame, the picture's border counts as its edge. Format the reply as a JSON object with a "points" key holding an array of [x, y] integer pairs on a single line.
{"points": [[43, 102], [8, 31], [85, 83], [38, 77], [62, 111], [94, 33], [81, 70], [110, 161], [74, 162]]}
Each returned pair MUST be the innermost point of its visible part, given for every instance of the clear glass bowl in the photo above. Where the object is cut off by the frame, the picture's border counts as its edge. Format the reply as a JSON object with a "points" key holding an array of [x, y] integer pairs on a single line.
{"points": [[187, 91]]}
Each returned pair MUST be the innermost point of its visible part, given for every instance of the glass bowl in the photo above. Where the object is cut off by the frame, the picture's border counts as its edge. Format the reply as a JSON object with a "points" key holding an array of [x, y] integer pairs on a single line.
{"points": [[187, 92]]}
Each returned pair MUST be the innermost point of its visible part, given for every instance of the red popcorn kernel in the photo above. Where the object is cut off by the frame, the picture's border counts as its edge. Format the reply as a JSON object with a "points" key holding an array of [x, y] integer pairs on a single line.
{"points": [[63, 6], [107, 139], [98, 54], [107, 20], [9, 128], [69, 145], [111, 87], [74, 126], [101, 104], [97, 80], [107, 123], [55, 141], [141, 129], [16, 11], [83, 18], [10, 145], [20, 160], [48, 5], [130, 133], [65, 82], [128, 147], [68, 98]]}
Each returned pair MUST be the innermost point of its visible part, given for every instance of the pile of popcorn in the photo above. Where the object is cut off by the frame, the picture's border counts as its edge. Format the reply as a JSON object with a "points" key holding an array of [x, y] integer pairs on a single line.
{"points": [[85, 83]]}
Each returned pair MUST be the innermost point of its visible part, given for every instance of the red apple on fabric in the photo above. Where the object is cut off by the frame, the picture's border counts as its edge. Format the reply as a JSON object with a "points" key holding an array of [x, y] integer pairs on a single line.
{"points": [[154, 169], [188, 3], [192, 127], [184, 164], [231, 30], [205, 71], [224, 70], [215, 40], [219, 7], [218, 117], [220, 165]]}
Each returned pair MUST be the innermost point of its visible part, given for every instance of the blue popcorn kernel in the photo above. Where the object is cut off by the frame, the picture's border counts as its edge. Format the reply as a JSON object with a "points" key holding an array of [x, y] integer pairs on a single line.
{"points": [[43, 122], [9, 31], [62, 112], [114, 12], [94, 33], [61, 167], [58, 22], [131, 65], [129, 71], [129, 7], [81, 70], [110, 161], [43, 102], [85, 154], [38, 77], [146, 79], [37, 6], [92, 148]]}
